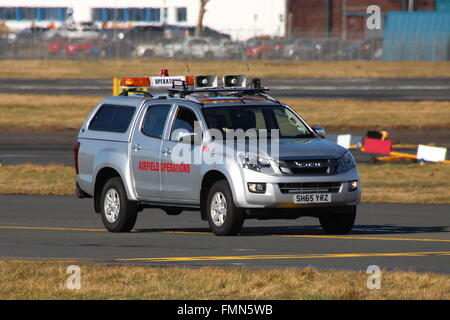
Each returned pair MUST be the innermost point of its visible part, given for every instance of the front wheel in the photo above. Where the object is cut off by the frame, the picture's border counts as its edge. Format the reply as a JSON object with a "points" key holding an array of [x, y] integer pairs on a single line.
{"points": [[224, 218], [118, 213], [339, 220]]}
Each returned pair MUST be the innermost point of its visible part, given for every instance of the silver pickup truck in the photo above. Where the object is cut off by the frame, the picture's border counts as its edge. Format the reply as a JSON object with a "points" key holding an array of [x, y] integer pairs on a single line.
{"points": [[179, 151]]}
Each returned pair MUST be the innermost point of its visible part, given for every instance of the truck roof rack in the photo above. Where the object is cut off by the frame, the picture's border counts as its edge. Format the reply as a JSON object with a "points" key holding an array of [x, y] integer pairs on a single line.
{"points": [[179, 87], [188, 86], [216, 91], [236, 92]]}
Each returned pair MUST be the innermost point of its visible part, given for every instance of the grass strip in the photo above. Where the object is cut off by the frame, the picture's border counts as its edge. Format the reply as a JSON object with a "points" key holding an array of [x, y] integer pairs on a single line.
{"points": [[48, 281], [52, 179], [406, 183], [358, 114], [44, 112], [65, 112], [57, 69], [395, 183]]}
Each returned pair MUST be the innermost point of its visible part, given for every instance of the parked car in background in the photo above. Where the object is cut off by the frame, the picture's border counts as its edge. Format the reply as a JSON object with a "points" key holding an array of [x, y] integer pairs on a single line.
{"points": [[29, 42], [86, 30], [143, 34], [363, 50], [116, 46], [33, 33], [190, 48], [207, 32], [150, 50], [4, 46], [56, 45], [228, 50], [257, 49], [264, 49], [299, 49], [330, 49], [76, 48], [85, 48]]}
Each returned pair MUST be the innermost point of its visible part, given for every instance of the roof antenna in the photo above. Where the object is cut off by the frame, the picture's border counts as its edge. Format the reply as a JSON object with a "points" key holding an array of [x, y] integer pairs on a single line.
{"points": [[187, 65], [248, 67]]}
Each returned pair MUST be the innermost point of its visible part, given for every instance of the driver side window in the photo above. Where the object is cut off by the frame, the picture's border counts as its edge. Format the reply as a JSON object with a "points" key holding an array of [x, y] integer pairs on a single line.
{"points": [[185, 120]]}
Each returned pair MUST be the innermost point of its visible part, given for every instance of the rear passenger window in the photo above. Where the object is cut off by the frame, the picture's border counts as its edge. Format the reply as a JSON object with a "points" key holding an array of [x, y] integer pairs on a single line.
{"points": [[154, 121], [112, 118]]}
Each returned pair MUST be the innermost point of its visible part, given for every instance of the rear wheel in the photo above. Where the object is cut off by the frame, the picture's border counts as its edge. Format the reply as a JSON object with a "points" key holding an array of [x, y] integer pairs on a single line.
{"points": [[224, 218], [339, 220], [118, 213]]}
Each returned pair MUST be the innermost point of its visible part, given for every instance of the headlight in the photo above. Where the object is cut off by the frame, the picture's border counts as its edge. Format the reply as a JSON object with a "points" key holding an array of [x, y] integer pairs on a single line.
{"points": [[346, 162], [254, 162]]}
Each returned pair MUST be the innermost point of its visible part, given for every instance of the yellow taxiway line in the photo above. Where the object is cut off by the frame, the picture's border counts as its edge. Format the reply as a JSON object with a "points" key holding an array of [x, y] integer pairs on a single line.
{"points": [[290, 256], [239, 258]]}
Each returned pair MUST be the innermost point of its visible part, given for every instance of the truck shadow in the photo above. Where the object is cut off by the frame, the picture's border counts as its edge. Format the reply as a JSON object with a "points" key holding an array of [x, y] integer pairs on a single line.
{"points": [[310, 230]]}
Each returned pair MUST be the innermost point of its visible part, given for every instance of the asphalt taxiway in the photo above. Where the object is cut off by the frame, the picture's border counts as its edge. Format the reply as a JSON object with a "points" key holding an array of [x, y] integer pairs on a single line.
{"points": [[65, 229], [400, 89]]}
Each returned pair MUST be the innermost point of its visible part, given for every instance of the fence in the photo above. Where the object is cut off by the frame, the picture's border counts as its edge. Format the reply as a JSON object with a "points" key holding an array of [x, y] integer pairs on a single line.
{"points": [[155, 42]]}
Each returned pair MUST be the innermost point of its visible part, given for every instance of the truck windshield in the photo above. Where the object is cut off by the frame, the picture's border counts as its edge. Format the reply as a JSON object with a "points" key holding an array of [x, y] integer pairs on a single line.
{"points": [[258, 118]]}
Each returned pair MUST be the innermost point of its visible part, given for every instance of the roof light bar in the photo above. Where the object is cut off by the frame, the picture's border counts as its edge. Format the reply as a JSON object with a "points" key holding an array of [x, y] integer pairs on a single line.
{"points": [[166, 81], [134, 82]]}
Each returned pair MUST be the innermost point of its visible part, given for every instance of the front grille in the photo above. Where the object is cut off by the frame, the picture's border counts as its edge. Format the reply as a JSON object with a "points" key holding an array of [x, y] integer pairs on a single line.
{"points": [[309, 167], [309, 171], [310, 187]]}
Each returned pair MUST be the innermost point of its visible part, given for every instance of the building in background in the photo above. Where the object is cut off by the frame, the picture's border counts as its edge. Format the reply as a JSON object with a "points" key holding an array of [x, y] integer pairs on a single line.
{"points": [[343, 18], [240, 19], [419, 35]]}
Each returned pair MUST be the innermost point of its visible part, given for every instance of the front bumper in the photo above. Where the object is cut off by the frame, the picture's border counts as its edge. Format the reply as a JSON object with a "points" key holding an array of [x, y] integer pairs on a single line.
{"points": [[274, 198]]}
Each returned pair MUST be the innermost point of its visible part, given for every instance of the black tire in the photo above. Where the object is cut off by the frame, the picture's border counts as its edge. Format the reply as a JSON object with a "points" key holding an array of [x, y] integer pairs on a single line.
{"points": [[127, 213], [339, 220], [234, 217]]}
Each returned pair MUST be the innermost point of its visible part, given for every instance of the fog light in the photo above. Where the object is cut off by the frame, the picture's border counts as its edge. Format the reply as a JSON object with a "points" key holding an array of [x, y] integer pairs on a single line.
{"points": [[256, 187], [353, 185]]}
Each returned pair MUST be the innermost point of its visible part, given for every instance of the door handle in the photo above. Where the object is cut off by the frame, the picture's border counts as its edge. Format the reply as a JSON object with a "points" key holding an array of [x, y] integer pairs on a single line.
{"points": [[136, 147], [166, 151]]}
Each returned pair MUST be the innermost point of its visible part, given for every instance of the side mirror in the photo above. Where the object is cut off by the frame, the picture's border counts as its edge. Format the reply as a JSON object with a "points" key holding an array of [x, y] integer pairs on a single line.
{"points": [[320, 131]]}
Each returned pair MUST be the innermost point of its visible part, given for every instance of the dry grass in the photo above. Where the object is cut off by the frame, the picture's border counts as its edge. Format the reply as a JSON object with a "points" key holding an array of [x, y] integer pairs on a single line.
{"points": [[45, 112], [48, 281], [52, 179], [274, 69], [407, 183], [353, 114], [402, 183]]}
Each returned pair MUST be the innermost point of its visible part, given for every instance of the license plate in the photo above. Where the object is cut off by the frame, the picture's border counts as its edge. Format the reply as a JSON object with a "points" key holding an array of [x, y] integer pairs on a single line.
{"points": [[312, 198]]}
